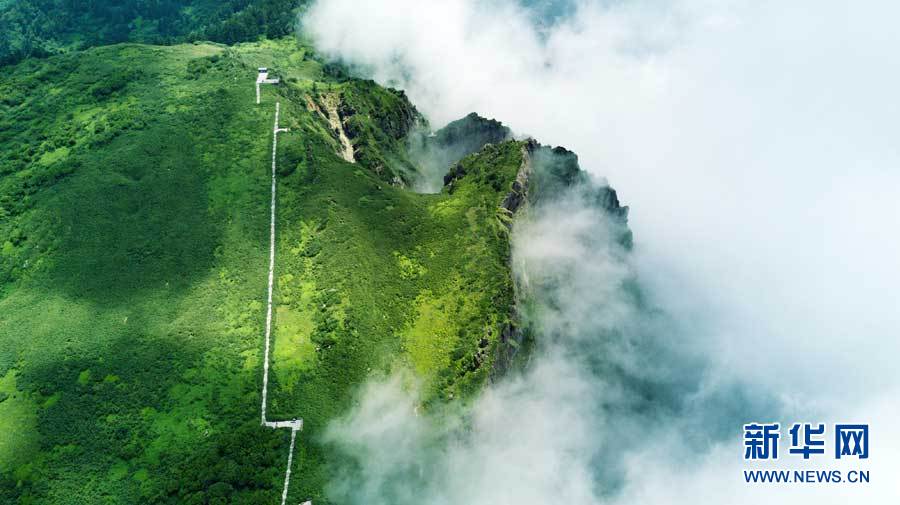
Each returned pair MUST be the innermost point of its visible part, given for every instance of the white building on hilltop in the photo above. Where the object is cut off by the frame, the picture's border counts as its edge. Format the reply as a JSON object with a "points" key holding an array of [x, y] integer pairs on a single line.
{"points": [[263, 78]]}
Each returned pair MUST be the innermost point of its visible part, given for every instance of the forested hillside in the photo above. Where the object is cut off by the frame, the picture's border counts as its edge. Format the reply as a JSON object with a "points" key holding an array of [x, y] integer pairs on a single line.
{"points": [[134, 241], [43, 27]]}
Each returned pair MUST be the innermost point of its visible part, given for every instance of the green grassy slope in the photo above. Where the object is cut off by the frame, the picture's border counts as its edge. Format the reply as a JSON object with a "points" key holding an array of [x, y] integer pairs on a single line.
{"points": [[133, 254]]}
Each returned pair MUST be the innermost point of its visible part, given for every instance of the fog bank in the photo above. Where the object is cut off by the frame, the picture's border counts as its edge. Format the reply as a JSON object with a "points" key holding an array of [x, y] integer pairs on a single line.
{"points": [[755, 143]]}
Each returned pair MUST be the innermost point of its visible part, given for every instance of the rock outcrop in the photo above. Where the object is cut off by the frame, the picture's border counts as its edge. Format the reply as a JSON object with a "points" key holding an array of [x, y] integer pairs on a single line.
{"points": [[545, 175], [435, 153]]}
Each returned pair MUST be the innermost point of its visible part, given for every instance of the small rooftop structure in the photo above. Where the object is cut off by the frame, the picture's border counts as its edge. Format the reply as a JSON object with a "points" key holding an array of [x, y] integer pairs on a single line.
{"points": [[263, 78]]}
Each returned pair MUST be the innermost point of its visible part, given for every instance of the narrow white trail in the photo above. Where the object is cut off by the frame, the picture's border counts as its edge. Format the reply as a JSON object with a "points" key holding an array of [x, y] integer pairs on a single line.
{"points": [[265, 389], [295, 425], [287, 473]]}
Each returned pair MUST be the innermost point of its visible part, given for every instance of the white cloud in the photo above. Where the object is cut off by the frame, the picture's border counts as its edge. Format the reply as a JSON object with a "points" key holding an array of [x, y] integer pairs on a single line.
{"points": [[756, 145]]}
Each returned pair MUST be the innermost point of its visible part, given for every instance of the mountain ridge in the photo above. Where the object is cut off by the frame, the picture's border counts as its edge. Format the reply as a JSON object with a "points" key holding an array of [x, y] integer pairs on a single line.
{"points": [[133, 189]]}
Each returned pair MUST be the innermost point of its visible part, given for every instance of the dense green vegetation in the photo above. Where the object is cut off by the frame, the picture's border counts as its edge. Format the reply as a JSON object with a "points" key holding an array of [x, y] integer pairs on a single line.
{"points": [[133, 253], [44, 27]]}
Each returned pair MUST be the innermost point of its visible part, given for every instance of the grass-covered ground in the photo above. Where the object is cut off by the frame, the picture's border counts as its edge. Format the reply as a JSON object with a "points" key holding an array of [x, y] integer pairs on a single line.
{"points": [[133, 254], [38, 28]]}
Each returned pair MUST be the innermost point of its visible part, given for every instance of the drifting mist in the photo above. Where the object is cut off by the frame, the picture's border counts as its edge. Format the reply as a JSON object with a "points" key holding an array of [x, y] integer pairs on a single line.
{"points": [[755, 145]]}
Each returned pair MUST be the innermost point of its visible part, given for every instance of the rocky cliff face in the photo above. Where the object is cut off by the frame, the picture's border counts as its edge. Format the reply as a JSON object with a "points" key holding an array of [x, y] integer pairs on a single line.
{"points": [[370, 125], [436, 155], [546, 175], [459, 139], [518, 192], [556, 172]]}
